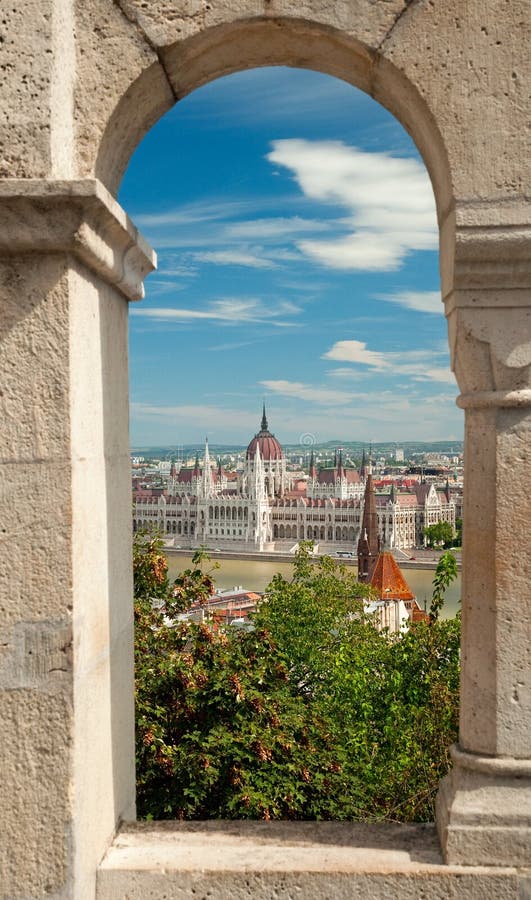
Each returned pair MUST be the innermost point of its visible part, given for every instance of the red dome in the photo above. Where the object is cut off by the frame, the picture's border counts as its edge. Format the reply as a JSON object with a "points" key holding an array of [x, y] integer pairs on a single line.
{"points": [[269, 446], [267, 442]]}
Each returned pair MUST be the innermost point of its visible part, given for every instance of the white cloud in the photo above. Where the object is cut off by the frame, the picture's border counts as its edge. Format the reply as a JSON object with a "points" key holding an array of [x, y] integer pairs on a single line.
{"points": [[389, 201], [381, 416], [275, 227], [309, 392], [235, 258], [199, 211], [355, 352], [423, 301], [228, 311], [159, 286], [202, 416], [306, 95], [417, 364], [232, 345]]}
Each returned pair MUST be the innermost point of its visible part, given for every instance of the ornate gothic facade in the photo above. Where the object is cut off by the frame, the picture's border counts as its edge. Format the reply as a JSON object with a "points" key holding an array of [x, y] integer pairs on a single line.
{"points": [[263, 508]]}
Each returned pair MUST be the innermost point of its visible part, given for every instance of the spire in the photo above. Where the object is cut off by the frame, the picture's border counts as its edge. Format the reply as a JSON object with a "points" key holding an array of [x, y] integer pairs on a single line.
{"points": [[369, 543], [220, 470], [447, 491], [312, 472], [258, 475], [173, 470], [363, 467], [340, 469], [206, 480], [392, 495], [264, 426], [196, 470]]}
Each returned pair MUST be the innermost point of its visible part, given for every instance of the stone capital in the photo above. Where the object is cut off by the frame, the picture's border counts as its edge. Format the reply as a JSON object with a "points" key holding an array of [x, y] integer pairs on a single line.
{"points": [[486, 283], [485, 246], [77, 217]]}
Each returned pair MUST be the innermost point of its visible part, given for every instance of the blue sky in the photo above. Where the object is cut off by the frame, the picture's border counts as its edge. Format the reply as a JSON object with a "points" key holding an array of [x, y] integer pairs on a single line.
{"points": [[295, 228]]}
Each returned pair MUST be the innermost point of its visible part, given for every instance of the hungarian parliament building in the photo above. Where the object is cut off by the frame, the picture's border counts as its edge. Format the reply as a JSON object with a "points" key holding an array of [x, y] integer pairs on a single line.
{"points": [[266, 508]]}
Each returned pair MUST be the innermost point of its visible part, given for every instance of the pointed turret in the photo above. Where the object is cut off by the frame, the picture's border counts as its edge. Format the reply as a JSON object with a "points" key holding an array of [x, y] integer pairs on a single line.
{"points": [[313, 471], [392, 495], [340, 469], [196, 471], [207, 486], [363, 467], [447, 493], [259, 482], [369, 542], [263, 426], [173, 470]]}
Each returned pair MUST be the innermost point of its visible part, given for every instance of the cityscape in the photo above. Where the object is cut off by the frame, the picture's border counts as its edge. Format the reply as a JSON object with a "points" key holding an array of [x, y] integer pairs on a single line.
{"points": [[263, 501], [266, 499]]}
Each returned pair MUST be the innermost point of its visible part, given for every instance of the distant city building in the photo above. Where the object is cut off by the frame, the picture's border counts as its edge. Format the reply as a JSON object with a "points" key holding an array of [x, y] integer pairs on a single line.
{"points": [[395, 605], [262, 506]]}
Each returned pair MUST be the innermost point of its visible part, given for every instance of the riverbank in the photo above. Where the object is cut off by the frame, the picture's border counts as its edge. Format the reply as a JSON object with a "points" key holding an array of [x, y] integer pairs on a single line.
{"points": [[256, 574], [426, 560]]}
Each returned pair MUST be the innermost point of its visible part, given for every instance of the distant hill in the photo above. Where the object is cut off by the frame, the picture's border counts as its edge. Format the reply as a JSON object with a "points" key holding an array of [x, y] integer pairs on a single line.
{"points": [[386, 448]]}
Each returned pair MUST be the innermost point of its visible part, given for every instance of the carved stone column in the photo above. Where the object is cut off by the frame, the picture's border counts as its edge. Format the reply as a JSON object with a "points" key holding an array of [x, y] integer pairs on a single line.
{"points": [[484, 806], [70, 261]]}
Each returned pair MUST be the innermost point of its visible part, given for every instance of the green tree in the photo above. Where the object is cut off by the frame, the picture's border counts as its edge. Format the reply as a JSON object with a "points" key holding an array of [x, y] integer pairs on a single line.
{"points": [[445, 574], [219, 730], [310, 615], [312, 714], [439, 534]]}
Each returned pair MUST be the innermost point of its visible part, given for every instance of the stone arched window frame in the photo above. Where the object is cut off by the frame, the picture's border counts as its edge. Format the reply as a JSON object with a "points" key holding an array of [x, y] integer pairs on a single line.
{"points": [[72, 260]]}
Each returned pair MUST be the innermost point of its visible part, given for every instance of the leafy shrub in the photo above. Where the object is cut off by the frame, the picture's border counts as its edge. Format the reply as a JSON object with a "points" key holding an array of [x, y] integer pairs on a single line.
{"points": [[313, 714]]}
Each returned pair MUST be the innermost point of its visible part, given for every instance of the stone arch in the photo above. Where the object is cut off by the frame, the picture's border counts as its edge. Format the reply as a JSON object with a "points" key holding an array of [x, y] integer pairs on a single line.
{"points": [[250, 41], [399, 53]]}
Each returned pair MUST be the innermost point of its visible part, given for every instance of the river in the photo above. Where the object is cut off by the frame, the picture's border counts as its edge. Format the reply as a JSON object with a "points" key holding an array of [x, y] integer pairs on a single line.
{"points": [[255, 575]]}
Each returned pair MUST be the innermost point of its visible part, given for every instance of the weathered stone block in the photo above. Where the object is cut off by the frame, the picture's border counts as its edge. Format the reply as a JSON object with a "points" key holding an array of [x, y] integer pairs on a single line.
{"points": [[468, 61], [35, 759]]}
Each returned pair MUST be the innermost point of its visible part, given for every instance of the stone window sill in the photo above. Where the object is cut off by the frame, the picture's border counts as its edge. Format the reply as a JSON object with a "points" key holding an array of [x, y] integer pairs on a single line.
{"points": [[302, 860]]}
